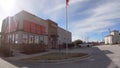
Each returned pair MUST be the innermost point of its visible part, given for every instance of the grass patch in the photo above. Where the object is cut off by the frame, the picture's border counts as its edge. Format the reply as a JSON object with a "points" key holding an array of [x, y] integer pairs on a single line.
{"points": [[57, 56]]}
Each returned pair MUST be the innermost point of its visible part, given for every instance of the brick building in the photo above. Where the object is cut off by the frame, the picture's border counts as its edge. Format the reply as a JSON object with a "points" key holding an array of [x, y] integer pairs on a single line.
{"points": [[26, 28]]}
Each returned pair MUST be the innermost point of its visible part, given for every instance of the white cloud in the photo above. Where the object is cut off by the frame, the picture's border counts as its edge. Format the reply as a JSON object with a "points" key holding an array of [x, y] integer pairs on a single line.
{"points": [[63, 5], [98, 22], [52, 9]]}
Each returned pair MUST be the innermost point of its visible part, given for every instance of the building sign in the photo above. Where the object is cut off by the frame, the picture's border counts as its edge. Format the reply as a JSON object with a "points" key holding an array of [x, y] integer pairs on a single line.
{"points": [[34, 28]]}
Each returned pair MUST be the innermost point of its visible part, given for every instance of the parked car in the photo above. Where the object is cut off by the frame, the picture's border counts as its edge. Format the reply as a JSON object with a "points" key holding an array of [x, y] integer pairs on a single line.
{"points": [[85, 45]]}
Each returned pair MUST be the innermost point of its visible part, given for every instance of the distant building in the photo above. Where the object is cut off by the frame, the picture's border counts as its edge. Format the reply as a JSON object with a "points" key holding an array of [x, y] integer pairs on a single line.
{"points": [[26, 28], [113, 37]]}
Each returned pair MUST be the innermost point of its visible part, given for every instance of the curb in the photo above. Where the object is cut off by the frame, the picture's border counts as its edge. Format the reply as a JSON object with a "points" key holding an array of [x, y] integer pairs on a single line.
{"points": [[59, 61]]}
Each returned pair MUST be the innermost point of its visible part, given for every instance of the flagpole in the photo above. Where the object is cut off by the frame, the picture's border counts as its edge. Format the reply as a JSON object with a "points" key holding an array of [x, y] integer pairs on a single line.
{"points": [[66, 26], [66, 19]]}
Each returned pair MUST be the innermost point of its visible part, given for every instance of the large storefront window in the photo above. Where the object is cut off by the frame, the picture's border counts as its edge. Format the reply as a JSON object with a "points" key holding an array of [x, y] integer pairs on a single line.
{"points": [[36, 39], [31, 39], [10, 39], [25, 39], [16, 38], [7, 38], [41, 39]]}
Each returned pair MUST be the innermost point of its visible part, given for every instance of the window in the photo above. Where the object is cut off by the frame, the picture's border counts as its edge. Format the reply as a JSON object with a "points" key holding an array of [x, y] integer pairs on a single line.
{"points": [[16, 38], [36, 39], [25, 39], [41, 40], [31, 39]]}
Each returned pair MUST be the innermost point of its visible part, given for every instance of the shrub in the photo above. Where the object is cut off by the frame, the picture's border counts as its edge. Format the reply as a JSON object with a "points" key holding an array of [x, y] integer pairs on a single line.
{"points": [[33, 48], [76, 42], [6, 52], [70, 45]]}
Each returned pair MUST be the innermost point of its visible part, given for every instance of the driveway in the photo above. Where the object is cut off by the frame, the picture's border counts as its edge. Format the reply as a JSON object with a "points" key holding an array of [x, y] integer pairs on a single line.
{"points": [[104, 56]]}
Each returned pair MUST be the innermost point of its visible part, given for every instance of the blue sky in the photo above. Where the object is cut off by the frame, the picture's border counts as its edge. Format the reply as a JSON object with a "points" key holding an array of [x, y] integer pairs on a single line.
{"points": [[86, 18]]}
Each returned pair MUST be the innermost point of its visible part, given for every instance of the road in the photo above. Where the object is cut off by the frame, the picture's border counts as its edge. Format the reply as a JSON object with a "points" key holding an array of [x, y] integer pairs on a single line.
{"points": [[104, 56]]}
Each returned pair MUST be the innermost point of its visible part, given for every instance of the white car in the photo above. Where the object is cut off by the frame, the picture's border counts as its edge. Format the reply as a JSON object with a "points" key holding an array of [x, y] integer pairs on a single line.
{"points": [[85, 45]]}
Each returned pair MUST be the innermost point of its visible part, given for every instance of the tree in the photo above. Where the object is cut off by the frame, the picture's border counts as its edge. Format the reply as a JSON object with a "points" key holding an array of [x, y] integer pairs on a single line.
{"points": [[76, 42]]}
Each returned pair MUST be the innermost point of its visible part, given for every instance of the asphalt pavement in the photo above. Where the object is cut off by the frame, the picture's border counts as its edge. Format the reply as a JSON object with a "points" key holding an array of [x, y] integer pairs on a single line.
{"points": [[104, 56]]}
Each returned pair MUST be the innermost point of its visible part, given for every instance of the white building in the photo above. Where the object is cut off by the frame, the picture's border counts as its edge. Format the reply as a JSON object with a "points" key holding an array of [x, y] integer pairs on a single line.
{"points": [[112, 38]]}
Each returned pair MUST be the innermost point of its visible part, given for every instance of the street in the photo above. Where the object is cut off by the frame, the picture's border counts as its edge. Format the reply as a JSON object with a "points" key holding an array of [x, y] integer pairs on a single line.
{"points": [[104, 56]]}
